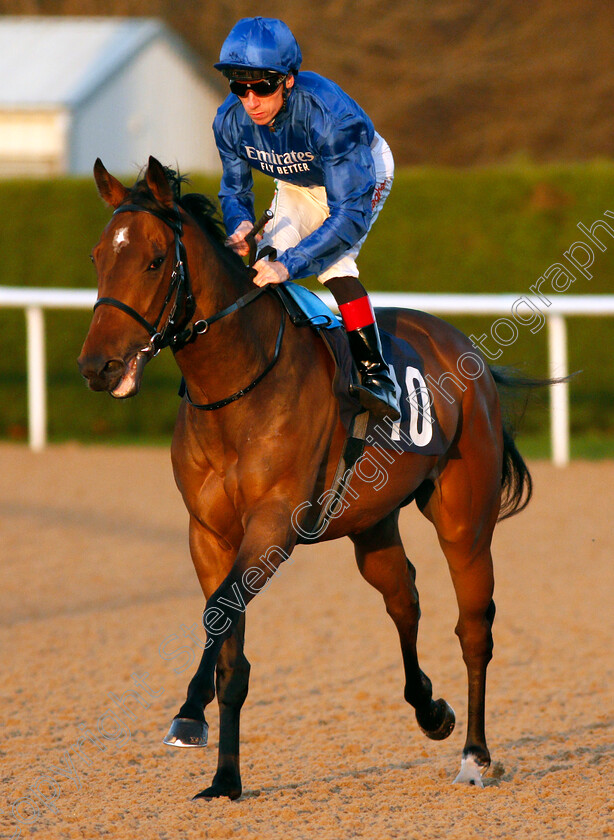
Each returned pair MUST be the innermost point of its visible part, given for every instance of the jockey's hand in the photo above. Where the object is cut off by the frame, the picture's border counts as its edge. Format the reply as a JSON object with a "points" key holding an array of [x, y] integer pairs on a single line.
{"points": [[236, 242], [270, 272]]}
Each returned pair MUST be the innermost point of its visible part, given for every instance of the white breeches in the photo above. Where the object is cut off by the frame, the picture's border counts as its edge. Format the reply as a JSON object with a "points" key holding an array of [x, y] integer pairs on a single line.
{"points": [[298, 211]]}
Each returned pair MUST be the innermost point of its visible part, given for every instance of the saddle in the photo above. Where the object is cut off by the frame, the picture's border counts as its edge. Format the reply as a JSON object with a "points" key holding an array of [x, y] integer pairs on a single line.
{"points": [[418, 429]]}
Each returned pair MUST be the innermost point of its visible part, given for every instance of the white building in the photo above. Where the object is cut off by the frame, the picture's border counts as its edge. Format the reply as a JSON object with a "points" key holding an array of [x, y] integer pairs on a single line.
{"points": [[73, 89]]}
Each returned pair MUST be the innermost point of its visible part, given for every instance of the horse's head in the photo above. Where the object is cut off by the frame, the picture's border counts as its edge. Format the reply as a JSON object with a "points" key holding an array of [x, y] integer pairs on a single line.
{"points": [[143, 292]]}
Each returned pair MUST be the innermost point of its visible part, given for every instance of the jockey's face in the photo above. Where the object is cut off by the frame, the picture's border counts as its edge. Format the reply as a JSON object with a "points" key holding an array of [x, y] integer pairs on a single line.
{"points": [[263, 109]]}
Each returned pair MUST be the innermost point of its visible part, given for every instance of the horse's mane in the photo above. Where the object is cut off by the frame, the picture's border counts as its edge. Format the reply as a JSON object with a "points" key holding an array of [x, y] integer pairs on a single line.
{"points": [[202, 209]]}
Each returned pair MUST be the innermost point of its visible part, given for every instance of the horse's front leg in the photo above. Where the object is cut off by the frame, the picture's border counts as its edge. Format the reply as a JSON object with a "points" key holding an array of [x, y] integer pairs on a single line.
{"points": [[232, 682], [257, 560]]}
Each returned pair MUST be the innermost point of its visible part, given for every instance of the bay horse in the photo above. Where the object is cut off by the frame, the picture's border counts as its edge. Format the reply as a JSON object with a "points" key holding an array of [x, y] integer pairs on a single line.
{"points": [[258, 436]]}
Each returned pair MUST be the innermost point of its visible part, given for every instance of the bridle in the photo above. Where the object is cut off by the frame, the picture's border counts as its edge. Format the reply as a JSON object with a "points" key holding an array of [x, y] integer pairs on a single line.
{"points": [[171, 334], [178, 333]]}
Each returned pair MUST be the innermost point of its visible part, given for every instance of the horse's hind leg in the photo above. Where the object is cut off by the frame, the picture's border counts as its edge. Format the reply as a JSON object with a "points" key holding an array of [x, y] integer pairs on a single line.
{"points": [[463, 506], [382, 562]]}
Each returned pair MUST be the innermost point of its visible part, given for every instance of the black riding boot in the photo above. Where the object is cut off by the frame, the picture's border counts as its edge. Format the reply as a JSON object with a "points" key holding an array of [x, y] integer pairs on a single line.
{"points": [[376, 392]]}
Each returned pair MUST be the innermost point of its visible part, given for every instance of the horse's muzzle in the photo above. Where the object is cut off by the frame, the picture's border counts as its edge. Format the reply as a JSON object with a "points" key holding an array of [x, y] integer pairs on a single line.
{"points": [[120, 378], [101, 374]]}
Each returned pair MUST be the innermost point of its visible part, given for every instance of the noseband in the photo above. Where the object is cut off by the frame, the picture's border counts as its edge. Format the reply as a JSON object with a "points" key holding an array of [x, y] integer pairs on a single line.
{"points": [[172, 334]]}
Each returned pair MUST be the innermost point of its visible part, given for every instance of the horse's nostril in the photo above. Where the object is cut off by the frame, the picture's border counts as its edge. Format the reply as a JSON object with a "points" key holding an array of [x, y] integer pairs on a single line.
{"points": [[113, 366], [101, 373]]}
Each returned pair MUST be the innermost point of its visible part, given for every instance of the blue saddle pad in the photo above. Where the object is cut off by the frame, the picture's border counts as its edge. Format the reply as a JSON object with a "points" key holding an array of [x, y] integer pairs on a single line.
{"points": [[313, 308]]}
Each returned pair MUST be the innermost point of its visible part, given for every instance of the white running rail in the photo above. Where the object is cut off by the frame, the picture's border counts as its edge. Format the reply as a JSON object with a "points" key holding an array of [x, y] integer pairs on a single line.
{"points": [[35, 301]]}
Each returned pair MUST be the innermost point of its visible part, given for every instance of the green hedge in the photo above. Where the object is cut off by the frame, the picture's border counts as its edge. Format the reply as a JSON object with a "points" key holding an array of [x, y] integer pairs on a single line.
{"points": [[442, 230]]}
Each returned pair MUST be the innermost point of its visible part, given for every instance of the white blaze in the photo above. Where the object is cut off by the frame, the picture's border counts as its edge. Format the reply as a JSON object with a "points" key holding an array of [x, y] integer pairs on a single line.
{"points": [[120, 239]]}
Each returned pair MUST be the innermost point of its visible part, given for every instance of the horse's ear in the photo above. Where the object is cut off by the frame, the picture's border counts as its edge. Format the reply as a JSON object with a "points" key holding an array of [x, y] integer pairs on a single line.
{"points": [[110, 190], [158, 183]]}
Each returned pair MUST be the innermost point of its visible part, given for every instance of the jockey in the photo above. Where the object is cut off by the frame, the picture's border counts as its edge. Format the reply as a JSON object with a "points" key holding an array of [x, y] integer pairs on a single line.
{"points": [[332, 171]]}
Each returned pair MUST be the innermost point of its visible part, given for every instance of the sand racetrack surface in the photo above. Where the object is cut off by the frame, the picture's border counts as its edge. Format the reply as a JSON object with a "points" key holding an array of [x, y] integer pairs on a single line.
{"points": [[97, 586]]}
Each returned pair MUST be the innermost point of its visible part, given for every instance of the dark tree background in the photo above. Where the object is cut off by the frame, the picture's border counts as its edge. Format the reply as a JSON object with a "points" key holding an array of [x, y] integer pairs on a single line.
{"points": [[446, 81]]}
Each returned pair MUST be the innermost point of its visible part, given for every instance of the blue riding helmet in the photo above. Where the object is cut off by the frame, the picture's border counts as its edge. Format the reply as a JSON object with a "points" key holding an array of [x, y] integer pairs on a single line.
{"points": [[260, 44]]}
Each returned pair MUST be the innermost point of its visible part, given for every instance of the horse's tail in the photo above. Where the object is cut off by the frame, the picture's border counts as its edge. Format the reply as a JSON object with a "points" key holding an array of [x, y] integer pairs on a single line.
{"points": [[516, 481]]}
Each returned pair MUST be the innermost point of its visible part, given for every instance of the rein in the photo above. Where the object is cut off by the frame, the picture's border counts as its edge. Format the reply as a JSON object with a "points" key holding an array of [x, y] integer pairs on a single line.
{"points": [[178, 335], [183, 391]]}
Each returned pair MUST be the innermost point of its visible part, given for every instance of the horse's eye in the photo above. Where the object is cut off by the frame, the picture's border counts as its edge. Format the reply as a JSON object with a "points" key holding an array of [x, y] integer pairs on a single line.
{"points": [[154, 265], [92, 257]]}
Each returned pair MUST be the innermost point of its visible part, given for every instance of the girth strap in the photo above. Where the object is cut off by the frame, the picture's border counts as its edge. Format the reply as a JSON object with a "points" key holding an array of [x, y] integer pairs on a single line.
{"points": [[353, 449]]}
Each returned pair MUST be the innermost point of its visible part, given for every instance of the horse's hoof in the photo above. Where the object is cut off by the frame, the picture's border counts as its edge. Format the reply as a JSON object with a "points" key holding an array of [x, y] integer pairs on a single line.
{"points": [[439, 722], [185, 732], [471, 772], [217, 790]]}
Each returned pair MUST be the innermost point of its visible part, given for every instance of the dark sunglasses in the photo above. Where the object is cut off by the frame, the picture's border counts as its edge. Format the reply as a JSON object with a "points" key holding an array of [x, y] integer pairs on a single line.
{"points": [[263, 87]]}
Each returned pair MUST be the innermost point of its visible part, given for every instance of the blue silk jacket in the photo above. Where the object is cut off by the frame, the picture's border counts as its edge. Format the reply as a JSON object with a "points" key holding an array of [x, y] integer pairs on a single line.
{"points": [[322, 138]]}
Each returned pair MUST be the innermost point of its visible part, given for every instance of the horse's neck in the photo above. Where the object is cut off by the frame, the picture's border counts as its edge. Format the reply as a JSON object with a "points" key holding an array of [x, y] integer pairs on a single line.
{"points": [[216, 280], [234, 348]]}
